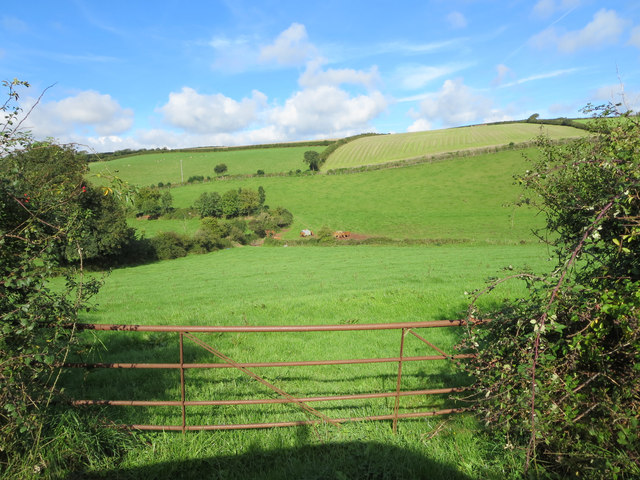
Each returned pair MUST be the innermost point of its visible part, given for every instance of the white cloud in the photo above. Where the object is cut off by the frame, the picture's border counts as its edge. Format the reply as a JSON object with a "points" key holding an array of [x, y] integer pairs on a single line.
{"points": [[454, 105], [314, 76], [86, 112], [605, 29], [327, 111], [635, 37], [457, 20], [420, 125], [198, 113], [292, 47]]}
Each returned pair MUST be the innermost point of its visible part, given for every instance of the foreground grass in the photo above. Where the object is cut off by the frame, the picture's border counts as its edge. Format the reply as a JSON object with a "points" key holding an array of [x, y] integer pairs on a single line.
{"points": [[387, 148], [260, 286]]}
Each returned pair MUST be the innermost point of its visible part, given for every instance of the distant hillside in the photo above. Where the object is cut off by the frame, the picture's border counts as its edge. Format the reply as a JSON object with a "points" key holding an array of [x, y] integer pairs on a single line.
{"points": [[175, 166], [463, 199], [379, 149]]}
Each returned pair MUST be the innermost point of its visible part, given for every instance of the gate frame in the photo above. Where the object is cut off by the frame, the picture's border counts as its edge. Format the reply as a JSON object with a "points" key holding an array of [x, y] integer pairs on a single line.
{"points": [[189, 330]]}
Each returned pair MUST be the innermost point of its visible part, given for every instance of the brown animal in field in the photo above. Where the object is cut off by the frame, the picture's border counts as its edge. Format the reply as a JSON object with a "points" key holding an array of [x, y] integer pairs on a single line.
{"points": [[340, 234]]}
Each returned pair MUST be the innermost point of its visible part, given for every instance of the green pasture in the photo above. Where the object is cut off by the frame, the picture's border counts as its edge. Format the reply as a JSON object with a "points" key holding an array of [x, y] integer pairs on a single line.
{"points": [[296, 285], [150, 228], [466, 198], [176, 167], [387, 148]]}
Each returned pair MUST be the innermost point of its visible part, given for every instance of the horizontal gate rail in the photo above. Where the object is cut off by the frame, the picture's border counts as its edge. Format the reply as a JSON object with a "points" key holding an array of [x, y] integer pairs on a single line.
{"points": [[263, 401], [265, 364], [266, 328], [245, 426], [302, 402]]}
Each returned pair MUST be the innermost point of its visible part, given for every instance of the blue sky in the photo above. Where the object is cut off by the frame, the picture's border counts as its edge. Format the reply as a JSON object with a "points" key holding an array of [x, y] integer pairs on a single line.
{"points": [[142, 74]]}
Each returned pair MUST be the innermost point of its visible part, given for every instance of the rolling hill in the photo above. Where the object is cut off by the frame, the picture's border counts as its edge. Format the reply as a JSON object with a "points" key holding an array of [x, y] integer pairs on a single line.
{"points": [[378, 149]]}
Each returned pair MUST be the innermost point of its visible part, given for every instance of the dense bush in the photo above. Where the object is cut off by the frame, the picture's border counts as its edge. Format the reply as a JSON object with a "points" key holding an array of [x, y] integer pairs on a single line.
{"points": [[195, 178], [220, 168], [558, 372], [208, 204], [263, 222], [233, 203], [152, 202], [170, 245], [282, 216]]}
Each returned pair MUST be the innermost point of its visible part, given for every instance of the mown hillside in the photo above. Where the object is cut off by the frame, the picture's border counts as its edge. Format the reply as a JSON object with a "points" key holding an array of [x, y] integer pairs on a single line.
{"points": [[378, 149]]}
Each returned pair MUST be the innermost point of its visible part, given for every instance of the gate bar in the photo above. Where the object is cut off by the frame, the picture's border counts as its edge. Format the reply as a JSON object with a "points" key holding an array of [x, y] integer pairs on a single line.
{"points": [[264, 364], [195, 403], [267, 328], [293, 424], [182, 387], [397, 405]]}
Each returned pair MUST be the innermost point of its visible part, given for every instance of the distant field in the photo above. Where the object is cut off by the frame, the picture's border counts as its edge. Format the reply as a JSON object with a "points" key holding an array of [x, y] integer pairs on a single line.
{"points": [[386, 148], [459, 199], [151, 168]]}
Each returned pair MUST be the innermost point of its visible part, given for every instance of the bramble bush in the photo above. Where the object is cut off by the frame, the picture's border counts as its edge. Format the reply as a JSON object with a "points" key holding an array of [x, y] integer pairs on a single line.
{"points": [[45, 220], [558, 372]]}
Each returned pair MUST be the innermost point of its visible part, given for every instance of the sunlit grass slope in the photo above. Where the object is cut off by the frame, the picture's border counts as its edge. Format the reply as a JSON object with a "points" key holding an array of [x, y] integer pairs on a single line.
{"points": [[151, 168], [386, 148], [463, 198], [277, 285]]}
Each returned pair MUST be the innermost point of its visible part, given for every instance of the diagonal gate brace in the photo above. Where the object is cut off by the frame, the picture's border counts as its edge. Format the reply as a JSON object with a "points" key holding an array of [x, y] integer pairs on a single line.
{"points": [[245, 370]]}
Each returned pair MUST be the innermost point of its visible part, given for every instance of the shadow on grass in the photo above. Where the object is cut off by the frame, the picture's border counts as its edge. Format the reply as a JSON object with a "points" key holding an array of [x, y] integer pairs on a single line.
{"points": [[353, 460]]}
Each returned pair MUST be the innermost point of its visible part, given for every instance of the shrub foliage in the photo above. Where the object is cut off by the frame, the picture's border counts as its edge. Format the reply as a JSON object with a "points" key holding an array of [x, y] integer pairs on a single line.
{"points": [[558, 372], [45, 220]]}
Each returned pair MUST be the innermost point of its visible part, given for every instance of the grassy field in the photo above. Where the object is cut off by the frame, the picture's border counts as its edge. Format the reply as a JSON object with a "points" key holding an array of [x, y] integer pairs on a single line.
{"points": [[283, 286], [465, 203], [459, 199], [151, 168], [386, 148]]}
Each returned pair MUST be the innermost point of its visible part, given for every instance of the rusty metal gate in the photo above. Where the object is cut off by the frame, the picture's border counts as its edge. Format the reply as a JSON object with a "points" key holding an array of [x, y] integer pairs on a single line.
{"points": [[187, 332]]}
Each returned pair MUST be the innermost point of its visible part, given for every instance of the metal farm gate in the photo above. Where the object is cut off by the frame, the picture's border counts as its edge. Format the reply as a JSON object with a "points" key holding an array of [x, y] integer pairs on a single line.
{"points": [[188, 332]]}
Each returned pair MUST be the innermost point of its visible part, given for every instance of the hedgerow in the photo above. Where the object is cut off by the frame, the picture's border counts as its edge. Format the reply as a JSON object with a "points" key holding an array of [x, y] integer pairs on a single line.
{"points": [[558, 372]]}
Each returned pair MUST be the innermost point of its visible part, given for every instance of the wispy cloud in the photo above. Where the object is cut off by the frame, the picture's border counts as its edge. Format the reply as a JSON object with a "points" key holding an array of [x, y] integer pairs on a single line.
{"points": [[407, 48], [413, 77], [13, 24], [541, 76]]}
